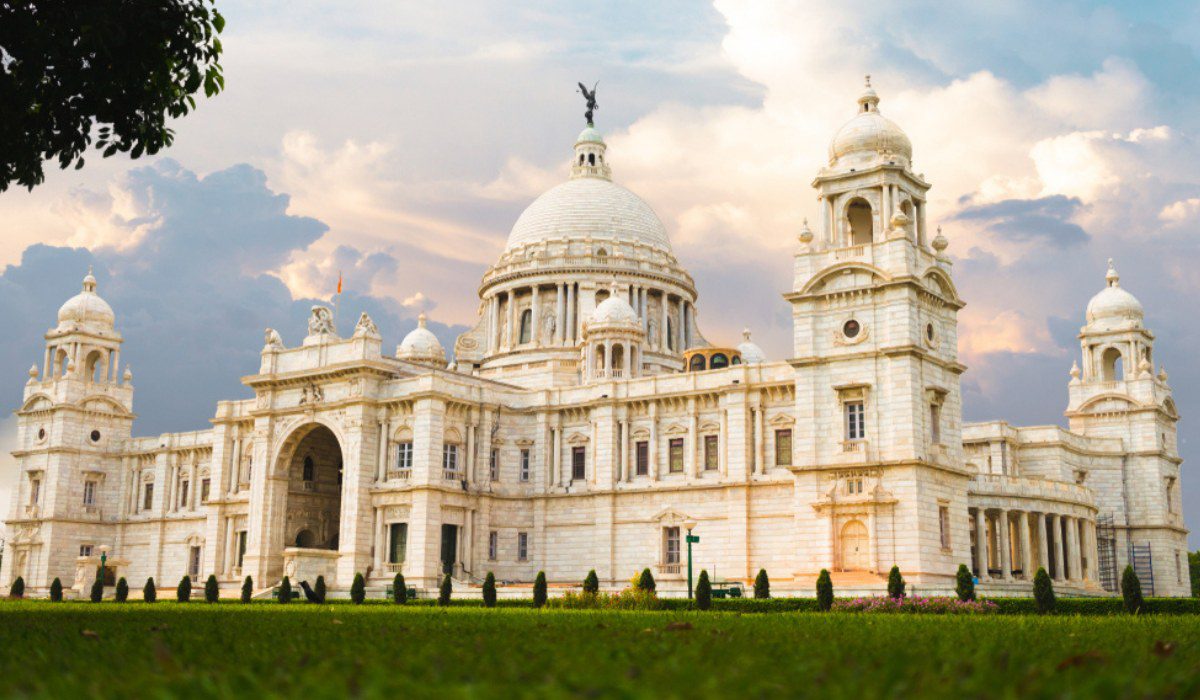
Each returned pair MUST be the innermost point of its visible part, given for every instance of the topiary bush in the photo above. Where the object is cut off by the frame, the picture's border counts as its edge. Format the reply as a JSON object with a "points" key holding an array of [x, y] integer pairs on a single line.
{"points": [[358, 590], [646, 582], [703, 591], [399, 590], [824, 590], [1043, 592], [489, 590], [895, 583], [539, 590], [319, 590], [247, 590], [17, 590], [591, 584], [964, 583], [97, 592], [122, 593], [285, 591], [212, 591], [56, 591], [762, 585], [183, 592], [1131, 591], [444, 591], [150, 591]]}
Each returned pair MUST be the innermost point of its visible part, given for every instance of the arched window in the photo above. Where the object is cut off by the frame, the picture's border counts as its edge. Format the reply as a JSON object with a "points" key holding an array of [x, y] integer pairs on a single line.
{"points": [[94, 367], [618, 357], [860, 217], [591, 159], [737, 360], [526, 325], [906, 207], [309, 468], [306, 539], [1113, 368], [62, 362], [696, 364], [718, 361], [581, 158], [599, 358]]}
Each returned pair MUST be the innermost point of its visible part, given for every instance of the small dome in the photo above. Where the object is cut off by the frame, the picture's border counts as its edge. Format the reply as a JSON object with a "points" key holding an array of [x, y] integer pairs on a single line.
{"points": [[87, 308], [615, 311], [869, 135], [421, 345], [1114, 307], [590, 135], [749, 350]]}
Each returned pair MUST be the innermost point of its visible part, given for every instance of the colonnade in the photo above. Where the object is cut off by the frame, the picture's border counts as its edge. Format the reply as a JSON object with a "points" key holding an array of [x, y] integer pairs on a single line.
{"points": [[1013, 544]]}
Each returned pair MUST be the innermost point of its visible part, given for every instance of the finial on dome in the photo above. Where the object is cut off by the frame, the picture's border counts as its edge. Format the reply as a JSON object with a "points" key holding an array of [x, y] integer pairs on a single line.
{"points": [[806, 234], [1114, 280], [89, 281], [868, 81], [746, 334], [1075, 370], [869, 99], [421, 320], [939, 241]]}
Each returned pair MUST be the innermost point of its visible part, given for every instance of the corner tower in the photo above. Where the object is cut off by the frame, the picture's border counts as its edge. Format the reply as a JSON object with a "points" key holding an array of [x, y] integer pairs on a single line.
{"points": [[879, 411]]}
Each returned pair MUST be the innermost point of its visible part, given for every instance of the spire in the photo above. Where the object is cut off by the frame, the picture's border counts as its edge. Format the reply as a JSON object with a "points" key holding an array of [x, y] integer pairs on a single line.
{"points": [[89, 282], [746, 335], [1113, 279], [421, 320]]}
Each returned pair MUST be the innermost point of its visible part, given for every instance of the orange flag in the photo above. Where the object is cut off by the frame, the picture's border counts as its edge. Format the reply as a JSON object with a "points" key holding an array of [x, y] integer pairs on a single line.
{"points": [[339, 282]]}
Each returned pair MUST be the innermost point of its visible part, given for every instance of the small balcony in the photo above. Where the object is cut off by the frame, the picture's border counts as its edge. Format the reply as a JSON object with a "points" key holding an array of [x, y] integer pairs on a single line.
{"points": [[32, 510], [669, 569], [92, 511], [399, 474], [393, 567], [310, 486], [453, 474]]}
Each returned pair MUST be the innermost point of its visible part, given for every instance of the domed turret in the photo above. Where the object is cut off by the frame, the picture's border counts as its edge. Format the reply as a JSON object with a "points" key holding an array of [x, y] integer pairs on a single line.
{"points": [[614, 312], [749, 350], [86, 309], [1113, 307], [422, 346], [869, 137]]}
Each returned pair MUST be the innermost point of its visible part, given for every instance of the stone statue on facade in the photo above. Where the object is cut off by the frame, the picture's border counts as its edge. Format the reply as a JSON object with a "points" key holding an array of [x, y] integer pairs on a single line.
{"points": [[271, 338], [321, 321], [366, 327], [549, 324], [591, 101]]}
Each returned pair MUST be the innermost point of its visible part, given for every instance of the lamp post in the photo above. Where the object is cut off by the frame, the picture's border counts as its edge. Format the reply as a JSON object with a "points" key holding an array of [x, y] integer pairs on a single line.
{"points": [[689, 525], [103, 561]]}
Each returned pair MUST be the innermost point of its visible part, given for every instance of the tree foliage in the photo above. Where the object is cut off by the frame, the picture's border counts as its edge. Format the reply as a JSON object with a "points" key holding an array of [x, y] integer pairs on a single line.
{"points": [[445, 590], [539, 590], [285, 591], [122, 593], [489, 590], [762, 585], [110, 70], [896, 583], [399, 590], [703, 591], [183, 592], [358, 589], [56, 590], [591, 583], [212, 590], [1043, 591], [247, 589], [824, 590], [319, 590], [964, 583], [646, 582], [150, 591], [1131, 591], [17, 589], [97, 593]]}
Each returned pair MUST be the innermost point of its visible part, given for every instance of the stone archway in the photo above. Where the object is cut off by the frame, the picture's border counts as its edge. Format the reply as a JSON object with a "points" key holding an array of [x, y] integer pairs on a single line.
{"points": [[855, 543]]}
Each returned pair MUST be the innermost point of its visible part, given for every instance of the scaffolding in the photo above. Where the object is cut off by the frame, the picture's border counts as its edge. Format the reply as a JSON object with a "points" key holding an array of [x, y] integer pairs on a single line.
{"points": [[1106, 544], [1142, 560]]}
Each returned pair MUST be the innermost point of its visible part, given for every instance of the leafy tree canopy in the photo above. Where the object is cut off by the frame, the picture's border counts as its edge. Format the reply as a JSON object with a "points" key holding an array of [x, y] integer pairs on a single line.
{"points": [[109, 71]]}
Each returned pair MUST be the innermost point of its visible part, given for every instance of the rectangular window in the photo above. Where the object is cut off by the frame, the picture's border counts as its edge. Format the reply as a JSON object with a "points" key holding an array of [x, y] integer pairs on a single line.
{"points": [[675, 455], [35, 491], [670, 545], [148, 497], [89, 493], [783, 448], [194, 562], [205, 487], [642, 450], [404, 455], [450, 461], [241, 547], [524, 465], [85, 550], [522, 546], [935, 423], [944, 525], [397, 542], [183, 494], [493, 545], [578, 463], [855, 428], [712, 453], [854, 486], [494, 465]]}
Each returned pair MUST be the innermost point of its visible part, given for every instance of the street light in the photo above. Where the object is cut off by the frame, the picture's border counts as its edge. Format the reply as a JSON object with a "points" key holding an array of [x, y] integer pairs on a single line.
{"points": [[103, 561], [689, 525]]}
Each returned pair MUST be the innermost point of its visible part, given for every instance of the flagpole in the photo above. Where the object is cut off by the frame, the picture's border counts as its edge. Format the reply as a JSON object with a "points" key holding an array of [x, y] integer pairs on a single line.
{"points": [[336, 299]]}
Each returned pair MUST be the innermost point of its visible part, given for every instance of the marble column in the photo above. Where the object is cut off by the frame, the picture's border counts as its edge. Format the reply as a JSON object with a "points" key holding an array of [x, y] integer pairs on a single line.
{"points": [[535, 318], [981, 545], [1026, 546], [663, 343], [560, 307], [652, 448], [1002, 526], [570, 329], [760, 465], [691, 464], [1043, 547], [1056, 531], [1075, 566]]}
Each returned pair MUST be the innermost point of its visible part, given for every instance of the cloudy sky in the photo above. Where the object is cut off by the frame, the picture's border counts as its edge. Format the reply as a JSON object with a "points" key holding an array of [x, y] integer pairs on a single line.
{"points": [[399, 141]]}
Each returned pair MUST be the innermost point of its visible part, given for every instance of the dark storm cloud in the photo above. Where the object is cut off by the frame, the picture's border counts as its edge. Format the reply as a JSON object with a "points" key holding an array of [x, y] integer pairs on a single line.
{"points": [[1045, 220]]}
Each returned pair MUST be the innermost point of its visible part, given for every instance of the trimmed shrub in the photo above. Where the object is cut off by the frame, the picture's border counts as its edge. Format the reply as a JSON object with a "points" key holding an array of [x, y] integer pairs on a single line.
{"points": [[591, 584], [489, 590], [964, 583], [1131, 591], [183, 592], [399, 590], [358, 590], [1043, 592], [122, 593], [212, 591], [762, 585], [646, 582], [319, 590], [150, 591], [56, 590], [916, 605], [17, 590], [97, 593], [628, 599], [539, 590], [444, 591], [247, 589], [703, 591], [824, 590], [895, 583], [285, 591]]}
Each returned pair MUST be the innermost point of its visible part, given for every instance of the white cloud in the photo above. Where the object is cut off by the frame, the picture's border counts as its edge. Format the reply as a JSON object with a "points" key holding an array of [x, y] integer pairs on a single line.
{"points": [[1180, 212]]}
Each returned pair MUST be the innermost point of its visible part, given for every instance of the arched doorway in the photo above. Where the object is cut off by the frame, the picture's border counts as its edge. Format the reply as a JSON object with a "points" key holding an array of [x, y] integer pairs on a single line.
{"points": [[314, 491], [855, 543]]}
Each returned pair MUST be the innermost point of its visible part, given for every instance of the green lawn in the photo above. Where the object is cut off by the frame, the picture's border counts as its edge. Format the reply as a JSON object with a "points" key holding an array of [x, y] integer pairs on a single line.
{"points": [[305, 651]]}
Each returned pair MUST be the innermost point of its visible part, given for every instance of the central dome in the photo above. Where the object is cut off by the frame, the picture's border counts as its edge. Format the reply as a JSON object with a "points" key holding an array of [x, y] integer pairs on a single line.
{"points": [[589, 207]]}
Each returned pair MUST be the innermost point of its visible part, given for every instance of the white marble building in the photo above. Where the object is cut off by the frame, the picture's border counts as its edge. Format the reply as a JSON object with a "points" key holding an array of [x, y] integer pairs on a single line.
{"points": [[567, 435]]}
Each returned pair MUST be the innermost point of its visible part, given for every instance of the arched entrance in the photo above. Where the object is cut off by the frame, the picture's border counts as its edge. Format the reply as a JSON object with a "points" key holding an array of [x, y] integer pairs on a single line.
{"points": [[855, 542], [314, 493]]}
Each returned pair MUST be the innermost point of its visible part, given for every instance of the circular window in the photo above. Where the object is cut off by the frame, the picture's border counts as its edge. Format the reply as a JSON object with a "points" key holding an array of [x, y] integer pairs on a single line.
{"points": [[929, 332], [41, 433], [95, 436], [851, 329]]}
